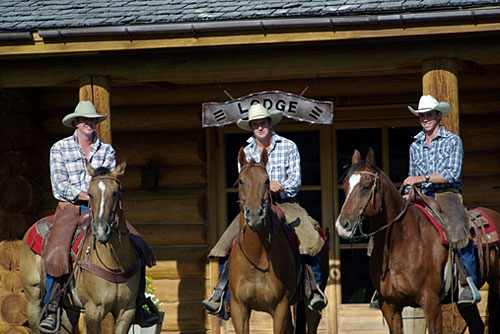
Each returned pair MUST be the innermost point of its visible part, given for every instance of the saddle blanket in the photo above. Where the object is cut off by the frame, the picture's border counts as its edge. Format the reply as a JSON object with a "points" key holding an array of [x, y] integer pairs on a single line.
{"points": [[483, 232], [38, 233]]}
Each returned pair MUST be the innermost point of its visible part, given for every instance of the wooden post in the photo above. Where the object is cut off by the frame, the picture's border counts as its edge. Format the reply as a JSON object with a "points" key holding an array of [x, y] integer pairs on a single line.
{"points": [[97, 90], [440, 80]]}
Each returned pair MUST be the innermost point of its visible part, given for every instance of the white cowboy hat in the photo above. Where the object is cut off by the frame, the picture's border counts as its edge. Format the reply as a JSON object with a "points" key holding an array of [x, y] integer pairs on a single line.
{"points": [[258, 111], [428, 103], [83, 109]]}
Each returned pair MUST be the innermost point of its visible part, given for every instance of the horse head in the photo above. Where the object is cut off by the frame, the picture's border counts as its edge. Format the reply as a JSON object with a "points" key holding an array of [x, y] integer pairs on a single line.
{"points": [[362, 191], [253, 189], [105, 200]]}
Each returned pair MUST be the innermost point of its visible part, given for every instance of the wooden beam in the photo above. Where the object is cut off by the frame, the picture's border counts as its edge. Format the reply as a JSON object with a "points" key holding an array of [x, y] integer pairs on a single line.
{"points": [[440, 80], [246, 65], [96, 89]]}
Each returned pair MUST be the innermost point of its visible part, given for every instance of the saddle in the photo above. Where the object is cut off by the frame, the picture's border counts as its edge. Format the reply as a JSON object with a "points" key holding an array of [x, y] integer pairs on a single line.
{"points": [[483, 231], [39, 232]]}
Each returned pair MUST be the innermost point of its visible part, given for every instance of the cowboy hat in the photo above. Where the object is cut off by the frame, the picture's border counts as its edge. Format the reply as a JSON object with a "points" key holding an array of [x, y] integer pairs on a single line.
{"points": [[83, 109], [428, 103], [258, 111]]}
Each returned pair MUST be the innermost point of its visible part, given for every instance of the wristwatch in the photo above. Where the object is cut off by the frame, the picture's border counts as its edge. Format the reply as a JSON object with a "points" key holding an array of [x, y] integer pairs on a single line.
{"points": [[427, 177]]}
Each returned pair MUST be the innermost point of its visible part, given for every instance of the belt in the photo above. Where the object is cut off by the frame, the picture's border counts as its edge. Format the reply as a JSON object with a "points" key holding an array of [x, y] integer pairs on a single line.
{"points": [[280, 200]]}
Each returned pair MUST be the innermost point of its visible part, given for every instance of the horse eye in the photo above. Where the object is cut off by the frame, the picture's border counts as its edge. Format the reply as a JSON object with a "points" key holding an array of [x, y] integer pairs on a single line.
{"points": [[366, 187], [240, 181]]}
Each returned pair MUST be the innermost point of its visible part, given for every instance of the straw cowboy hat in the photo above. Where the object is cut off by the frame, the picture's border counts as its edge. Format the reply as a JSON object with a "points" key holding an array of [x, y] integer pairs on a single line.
{"points": [[258, 111], [428, 103], [84, 109]]}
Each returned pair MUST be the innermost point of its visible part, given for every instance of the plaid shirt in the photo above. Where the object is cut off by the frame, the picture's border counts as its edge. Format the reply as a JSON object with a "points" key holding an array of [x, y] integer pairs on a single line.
{"points": [[445, 156], [283, 165], [68, 174]]}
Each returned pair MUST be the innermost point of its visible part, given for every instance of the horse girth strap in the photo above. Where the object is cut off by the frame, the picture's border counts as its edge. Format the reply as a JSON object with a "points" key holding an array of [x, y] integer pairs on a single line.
{"points": [[115, 277]]}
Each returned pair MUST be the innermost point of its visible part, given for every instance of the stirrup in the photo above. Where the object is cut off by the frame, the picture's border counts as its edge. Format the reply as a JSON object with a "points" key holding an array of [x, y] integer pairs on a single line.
{"points": [[220, 301], [325, 300], [468, 294], [57, 325]]}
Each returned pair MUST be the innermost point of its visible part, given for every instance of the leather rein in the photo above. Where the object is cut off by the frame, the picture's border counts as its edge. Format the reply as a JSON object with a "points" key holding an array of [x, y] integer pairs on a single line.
{"points": [[269, 230], [103, 272], [361, 215]]}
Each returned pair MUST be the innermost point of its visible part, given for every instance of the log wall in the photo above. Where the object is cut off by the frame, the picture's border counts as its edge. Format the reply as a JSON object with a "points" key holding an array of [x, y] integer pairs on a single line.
{"points": [[148, 124]]}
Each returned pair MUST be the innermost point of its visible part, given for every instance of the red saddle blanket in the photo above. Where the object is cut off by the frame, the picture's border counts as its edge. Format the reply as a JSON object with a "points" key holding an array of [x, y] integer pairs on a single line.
{"points": [[487, 232], [38, 233]]}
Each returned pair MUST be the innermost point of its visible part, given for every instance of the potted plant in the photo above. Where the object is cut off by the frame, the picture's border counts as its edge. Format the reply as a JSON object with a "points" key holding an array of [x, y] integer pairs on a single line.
{"points": [[149, 293]]}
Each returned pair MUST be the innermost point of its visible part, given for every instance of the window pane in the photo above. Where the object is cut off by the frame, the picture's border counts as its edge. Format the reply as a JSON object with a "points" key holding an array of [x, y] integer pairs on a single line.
{"points": [[399, 148], [359, 139]]}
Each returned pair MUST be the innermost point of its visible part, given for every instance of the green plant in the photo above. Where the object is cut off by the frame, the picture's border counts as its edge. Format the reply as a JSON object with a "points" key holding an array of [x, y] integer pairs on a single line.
{"points": [[150, 293]]}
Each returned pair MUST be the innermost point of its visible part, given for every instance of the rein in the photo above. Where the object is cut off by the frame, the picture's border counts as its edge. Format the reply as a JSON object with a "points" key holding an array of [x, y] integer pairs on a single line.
{"points": [[106, 273], [269, 231], [361, 213]]}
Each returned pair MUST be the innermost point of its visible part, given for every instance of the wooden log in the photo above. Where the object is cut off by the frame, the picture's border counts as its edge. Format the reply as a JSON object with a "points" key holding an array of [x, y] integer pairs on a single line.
{"points": [[11, 282], [481, 133], [96, 89], [172, 234], [179, 262], [481, 162], [179, 290], [163, 148], [17, 330], [9, 254], [13, 225], [14, 309], [164, 205], [440, 80], [16, 193], [481, 190], [22, 132], [168, 176]]}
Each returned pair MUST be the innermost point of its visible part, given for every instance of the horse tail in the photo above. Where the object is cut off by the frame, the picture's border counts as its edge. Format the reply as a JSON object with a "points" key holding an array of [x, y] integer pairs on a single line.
{"points": [[493, 311]]}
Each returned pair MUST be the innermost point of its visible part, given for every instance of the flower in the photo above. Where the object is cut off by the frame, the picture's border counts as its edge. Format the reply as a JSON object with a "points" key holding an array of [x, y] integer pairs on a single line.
{"points": [[150, 293]]}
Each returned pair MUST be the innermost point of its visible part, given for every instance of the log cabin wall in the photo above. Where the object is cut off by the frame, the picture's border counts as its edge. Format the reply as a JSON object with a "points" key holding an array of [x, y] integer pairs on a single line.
{"points": [[156, 115]]}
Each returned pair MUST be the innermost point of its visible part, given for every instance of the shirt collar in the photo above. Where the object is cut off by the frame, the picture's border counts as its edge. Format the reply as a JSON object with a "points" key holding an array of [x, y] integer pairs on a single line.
{"points": [[441, 133]]}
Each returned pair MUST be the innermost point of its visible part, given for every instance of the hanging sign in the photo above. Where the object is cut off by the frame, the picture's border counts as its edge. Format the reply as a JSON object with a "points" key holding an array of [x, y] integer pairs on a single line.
{"points": [[293, 106]]}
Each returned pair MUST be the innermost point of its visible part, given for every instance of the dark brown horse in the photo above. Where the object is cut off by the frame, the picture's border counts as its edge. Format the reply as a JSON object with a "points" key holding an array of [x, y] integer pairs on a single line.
{"points": [[107, 251], [408, 260], [264, 269]]}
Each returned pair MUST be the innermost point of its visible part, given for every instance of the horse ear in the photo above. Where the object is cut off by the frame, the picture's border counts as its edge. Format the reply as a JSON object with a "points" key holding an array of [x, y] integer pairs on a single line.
{"points": [[355, 157], [89, 167], [242, 158], [370, 157], [120, 169], [264, 157]]}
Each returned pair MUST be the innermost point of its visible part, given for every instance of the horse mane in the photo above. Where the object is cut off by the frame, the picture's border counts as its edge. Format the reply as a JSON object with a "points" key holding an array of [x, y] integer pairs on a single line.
{"points": [[100, 171]]}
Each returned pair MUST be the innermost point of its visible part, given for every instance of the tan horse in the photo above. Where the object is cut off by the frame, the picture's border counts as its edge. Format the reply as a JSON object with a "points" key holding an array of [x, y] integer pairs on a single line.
{"points": [[107, 271], [407, 264], [264, 267]]}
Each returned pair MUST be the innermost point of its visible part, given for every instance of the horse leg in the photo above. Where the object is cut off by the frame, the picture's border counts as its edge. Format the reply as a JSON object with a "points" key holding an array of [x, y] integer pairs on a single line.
{"points": [[473, 319], [282, 318], [93, 317], [241, 317], [123, 318], [392, 315], [433, 313]]}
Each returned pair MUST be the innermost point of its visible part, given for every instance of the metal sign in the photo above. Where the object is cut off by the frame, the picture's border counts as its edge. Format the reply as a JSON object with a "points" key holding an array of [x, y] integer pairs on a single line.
{"points": [[293, 106]]}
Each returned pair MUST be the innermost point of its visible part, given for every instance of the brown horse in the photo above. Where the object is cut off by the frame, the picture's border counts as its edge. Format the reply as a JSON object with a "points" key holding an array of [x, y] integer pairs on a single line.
{"points": [[107, 252], [408, 259], [264, 268]]}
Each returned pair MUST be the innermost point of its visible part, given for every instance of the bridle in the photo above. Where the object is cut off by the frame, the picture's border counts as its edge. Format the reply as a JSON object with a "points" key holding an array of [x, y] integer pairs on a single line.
{"points": [[361, 215], [266, 207], [118, 205]]}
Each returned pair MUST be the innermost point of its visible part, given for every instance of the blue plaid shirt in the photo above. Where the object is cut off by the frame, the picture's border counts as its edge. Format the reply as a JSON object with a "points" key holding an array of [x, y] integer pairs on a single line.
{"points": [[445, 156], [283, 165], [68, 174]]}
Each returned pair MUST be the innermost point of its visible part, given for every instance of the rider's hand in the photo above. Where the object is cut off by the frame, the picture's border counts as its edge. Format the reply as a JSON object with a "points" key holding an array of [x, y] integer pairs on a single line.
{"points": [[276, 187]]}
